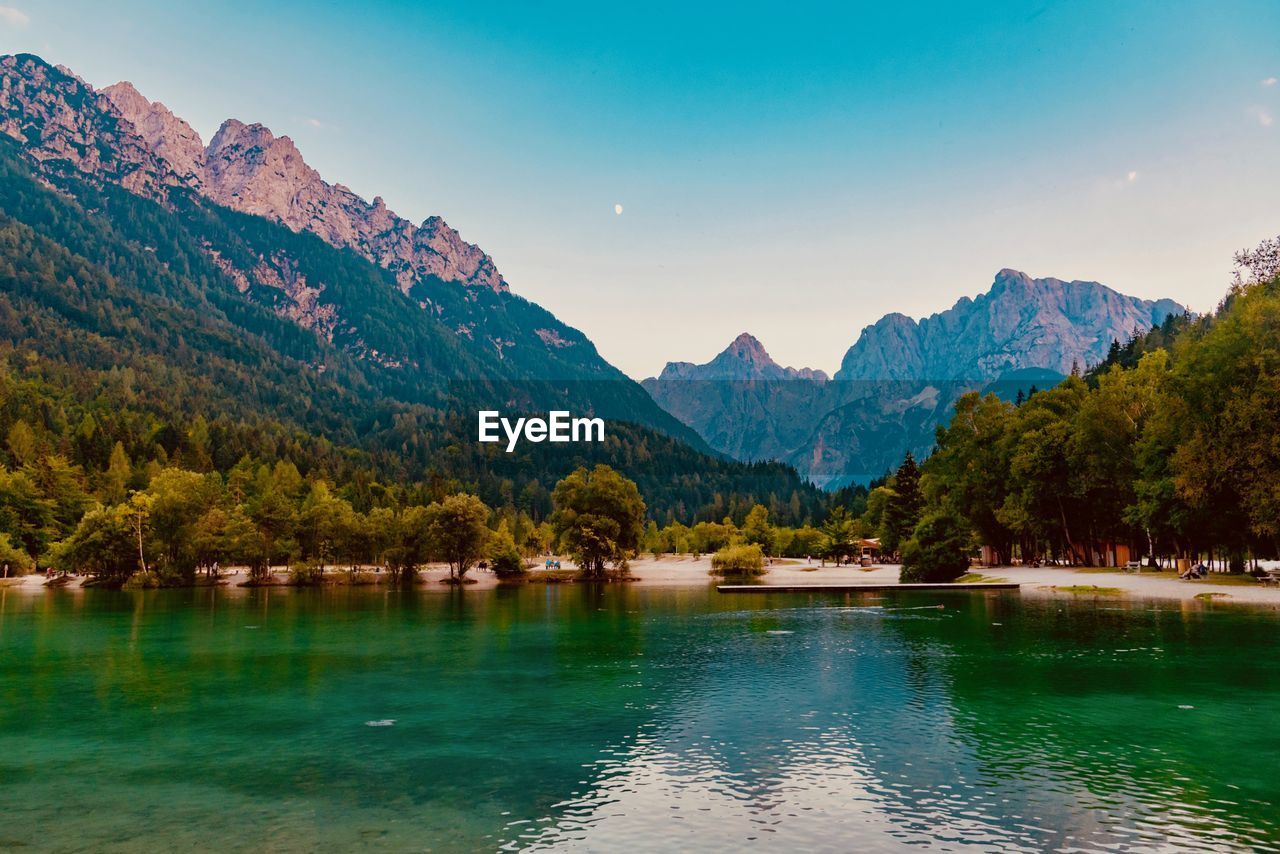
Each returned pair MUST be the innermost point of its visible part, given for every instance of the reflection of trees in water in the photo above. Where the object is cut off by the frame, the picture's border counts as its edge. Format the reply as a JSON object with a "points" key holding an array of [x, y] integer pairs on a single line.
{"points": [[925, 724], [837, 719], [604, 707], [1085, 699], [499, 698]]}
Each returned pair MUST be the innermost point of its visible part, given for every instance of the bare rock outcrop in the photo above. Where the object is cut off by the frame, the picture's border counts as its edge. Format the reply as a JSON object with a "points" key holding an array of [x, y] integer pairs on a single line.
{"points": [[169, 137], [65, 125]]}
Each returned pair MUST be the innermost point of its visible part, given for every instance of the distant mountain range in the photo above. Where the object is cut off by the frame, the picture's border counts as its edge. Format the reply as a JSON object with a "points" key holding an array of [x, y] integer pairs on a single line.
{"points": [[237, 268], [901, 377]]}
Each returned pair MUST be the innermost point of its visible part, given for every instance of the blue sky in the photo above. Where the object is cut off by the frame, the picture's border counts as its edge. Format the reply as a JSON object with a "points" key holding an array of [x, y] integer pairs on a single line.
{"points": [[793, 170]]}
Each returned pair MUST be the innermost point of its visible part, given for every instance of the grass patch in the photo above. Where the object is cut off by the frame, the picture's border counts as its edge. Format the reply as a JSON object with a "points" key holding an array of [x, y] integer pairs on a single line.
{"points": [[1226, 579], [1211, 595], [553, 576], [979, 578], [1090, 590]]}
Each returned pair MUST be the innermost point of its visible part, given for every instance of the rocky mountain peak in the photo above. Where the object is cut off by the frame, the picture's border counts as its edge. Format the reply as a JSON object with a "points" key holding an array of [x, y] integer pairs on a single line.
{"points": [[901, 379], [744, 359], [1020, 322], [169, 137], [252, 170], [746, 347], [64, 124]]}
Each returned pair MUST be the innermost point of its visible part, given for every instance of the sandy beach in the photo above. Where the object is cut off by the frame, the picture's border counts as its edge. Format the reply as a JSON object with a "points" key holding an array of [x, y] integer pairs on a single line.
{"points": [[688, 570]]}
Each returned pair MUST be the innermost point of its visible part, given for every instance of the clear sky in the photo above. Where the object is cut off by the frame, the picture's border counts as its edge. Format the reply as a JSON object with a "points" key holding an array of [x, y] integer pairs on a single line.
{"points": [[794, 170]]}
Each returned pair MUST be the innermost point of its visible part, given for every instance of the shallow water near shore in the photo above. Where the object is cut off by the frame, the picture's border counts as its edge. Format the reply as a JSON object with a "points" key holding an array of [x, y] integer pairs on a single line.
{"points": [[619, 717]]}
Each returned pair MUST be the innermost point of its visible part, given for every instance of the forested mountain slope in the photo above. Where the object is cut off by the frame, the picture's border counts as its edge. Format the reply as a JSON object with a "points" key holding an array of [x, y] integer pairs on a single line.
{"points": [[135, 310]]}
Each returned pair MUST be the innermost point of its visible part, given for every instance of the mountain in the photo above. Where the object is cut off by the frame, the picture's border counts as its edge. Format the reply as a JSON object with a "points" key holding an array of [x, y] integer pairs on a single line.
{"points": [[234, 283], [901, 378], [742, 402], [744, 359], [453, 318], [1020, 322], [247, 168]]}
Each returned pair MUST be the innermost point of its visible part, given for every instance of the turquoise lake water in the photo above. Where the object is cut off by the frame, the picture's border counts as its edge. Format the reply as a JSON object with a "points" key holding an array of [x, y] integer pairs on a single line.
{"points": [[633, 718]]}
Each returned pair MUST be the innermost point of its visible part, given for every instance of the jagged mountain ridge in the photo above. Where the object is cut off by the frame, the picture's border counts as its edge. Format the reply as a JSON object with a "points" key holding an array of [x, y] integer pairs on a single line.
{"points": [[901, 378], [247, 168], [1020, 322]]}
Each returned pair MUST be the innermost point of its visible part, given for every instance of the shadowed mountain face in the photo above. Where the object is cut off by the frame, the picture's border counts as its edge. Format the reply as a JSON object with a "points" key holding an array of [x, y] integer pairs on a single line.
{"points": [[901, 378], [742, 402]]}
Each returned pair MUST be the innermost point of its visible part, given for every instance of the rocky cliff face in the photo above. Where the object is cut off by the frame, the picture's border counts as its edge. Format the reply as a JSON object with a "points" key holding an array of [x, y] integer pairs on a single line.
{"points": [[247, 168], [119, 136], [1020, 322], [170, 138], [63, 124], [901, 379]]}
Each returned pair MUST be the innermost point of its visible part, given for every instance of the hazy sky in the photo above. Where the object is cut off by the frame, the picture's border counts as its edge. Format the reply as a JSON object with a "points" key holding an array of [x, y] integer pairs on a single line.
{"points": [[793, 170]]}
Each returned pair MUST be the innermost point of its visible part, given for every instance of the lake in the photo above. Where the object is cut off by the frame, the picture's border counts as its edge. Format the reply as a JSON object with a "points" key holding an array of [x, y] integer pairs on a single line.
{"points": [[628, 717]]}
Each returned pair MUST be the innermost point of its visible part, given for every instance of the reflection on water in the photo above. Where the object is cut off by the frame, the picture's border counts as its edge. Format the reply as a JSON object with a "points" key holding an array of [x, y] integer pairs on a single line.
{"points": [[570, 717]]}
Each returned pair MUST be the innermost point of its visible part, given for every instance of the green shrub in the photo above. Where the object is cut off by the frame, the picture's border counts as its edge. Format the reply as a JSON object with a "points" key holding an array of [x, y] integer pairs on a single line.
{"points": [[937, 552], [143, 581], [19, 561], [738, 560], [504, 557], [306, 575]]}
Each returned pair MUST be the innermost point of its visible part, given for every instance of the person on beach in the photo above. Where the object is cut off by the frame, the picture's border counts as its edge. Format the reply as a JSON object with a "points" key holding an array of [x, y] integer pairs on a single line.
{"points": [[1193, 572]]}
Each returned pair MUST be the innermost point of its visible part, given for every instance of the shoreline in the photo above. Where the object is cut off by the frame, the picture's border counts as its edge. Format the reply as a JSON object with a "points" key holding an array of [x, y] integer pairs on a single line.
{"points": [[685, 570]]}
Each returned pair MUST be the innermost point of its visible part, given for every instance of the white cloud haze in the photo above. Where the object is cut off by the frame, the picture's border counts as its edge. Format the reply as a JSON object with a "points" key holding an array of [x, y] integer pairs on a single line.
{"points": [[14, 17]]}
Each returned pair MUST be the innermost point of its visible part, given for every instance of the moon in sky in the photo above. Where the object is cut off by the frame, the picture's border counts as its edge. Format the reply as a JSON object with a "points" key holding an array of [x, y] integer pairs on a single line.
{"points": [[617, 209]]}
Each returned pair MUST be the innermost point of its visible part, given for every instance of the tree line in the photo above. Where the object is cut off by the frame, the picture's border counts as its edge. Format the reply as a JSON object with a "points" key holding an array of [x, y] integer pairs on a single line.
{"points": [[185, 525]]}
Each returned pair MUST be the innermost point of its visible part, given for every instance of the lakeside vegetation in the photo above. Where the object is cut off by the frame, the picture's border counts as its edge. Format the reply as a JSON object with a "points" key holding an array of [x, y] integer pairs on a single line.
{"points": [[185, 525], [1167, 448]]}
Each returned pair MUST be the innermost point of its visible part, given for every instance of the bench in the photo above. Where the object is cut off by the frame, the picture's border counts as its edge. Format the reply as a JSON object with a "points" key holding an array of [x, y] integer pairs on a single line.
{"points": [[1133, 566]]}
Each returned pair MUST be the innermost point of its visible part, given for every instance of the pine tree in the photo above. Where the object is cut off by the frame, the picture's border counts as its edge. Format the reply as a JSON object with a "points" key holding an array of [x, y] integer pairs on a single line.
{"points": [[902, 512]]}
